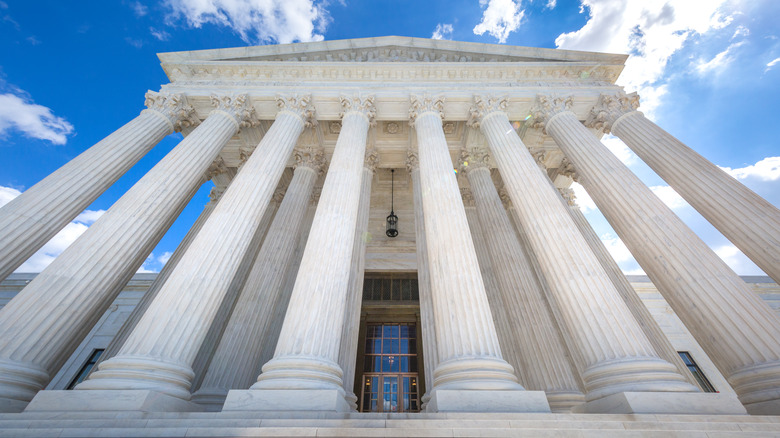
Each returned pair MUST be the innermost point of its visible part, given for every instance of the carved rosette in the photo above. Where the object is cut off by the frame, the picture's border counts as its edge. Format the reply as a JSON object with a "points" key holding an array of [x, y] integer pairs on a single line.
{"points": [[362, 105], [568, 196], [468, 197], [298, 105], [412, 160], [611, 107], [311, 156], [173, 107], [484, 106], [372, 159], [424, 104], [475, 157], [236, 106], [548, 106]]}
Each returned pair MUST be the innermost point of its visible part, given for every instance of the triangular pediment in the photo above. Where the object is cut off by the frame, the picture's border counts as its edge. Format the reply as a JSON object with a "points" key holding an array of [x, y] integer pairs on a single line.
{"points": [[391, 49]]}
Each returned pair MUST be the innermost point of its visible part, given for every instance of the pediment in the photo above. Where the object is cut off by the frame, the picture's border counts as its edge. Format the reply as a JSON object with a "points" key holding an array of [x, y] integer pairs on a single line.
{"points": [[391, 49]]}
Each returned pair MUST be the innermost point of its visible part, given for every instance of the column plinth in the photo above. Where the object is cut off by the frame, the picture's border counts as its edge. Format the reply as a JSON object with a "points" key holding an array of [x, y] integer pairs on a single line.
{"points": [[235, 361], [735, 327], [544, 362], [307, 352], [159, 353], [35, 216], [749, 221], [48, 318], [468, 349], [616, 355]]}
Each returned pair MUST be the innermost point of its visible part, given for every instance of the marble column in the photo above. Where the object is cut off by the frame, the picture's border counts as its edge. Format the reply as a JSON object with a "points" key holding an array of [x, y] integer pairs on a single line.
{"points": [[749, 221], [35, 216], [159, 353], [308, 347], [735, 327], [504, 330], [543, 361], [471, 372], [348, 348], [44, 323], [236, 358], [642, 315], [430, 357], [617, 355]]}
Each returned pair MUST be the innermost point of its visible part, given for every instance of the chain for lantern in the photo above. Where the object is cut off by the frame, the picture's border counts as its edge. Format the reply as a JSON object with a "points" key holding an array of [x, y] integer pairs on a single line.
{"points": [[392, 219]]}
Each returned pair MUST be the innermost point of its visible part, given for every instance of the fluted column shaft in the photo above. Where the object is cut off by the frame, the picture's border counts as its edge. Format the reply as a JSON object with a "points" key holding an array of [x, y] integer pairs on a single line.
{"points": [[430, 356], [638, 308], [468, 349], [544, 363], [308, 346], [749, 221], [158, 355], [617, 355], [235, 360], [35, 216], [348, 348], [44, 323], [735, 327]]}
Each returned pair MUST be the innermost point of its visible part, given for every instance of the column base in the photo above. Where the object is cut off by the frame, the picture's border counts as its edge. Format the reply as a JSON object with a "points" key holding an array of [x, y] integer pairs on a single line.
{"points": [[211, 399], [561, 401], [454, 400], [352, 400], [328, 400], [109, 400], [663, 403], [12, 406], [771, 407]]}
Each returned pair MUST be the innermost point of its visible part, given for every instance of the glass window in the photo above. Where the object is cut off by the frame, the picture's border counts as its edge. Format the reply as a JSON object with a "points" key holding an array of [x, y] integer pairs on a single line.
{"points": [[705, 384], [86, 368]]}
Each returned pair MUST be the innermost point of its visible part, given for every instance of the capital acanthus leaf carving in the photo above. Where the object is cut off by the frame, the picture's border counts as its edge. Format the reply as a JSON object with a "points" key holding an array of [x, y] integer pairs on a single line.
{"points": [[485, 105], [567, 169], [244, 152], [568, 196], [311, 156], [299, 105], [611, 107], [174, 107], [217, 167], [468, 197], [505, 199], [412, 160], [361, 105], [315, 195], [423, 104], [547, 106], [216, 193], [278, 195], [539, 155], [238, 107], [372, 159], [475, 157]]}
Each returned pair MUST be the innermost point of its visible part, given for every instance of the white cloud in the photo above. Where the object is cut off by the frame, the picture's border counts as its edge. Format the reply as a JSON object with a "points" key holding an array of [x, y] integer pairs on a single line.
{"points": [[87, 217], [737, 261], [551, 4], [767, 169], [146, 267], [741, 31], [256, 21], [771, 64], [669, 197], [620, 253], [18, 112], [163, 259], [584, 201], [135, 42], [7, 194], [617, 147], [139, 9], [651, 31], [442, 32], [160, 34], [719, 61], [499, 19]]}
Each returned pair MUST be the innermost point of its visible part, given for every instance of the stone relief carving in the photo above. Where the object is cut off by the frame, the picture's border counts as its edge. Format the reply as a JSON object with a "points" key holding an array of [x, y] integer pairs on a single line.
{"points": [[448, 128], [362, 105], [475, 157], [468, 197], [311, 156], [412, 160], [392, 128], [423, 104], [299, 105], [547, 106], [568, 196], [334, 127], [611, 107], [372, 159], [238, 107], [484, 105], [172, 106]]}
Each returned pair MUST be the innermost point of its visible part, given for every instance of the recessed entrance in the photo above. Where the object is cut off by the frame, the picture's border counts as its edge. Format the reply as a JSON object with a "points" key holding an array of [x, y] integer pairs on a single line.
{"points": [[389, 361]]}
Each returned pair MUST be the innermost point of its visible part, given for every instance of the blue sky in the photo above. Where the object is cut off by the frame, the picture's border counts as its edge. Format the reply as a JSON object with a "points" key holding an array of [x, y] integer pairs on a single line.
{"points": [[71, 73]]}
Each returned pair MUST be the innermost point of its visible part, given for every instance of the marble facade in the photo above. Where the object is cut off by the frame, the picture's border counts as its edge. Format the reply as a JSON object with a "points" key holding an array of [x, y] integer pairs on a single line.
{"points": [[520, 309]]}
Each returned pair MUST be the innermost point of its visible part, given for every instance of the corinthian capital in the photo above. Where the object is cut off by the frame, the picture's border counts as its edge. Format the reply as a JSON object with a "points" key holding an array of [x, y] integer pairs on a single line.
{"points": [[311, 156], [236, 106], [484, 106], [423, 104], [568, 196], [468, 197], [611, 107], [412, 160], [300, 106], [372, 159], [173, 107], [475, 157], [547, 107], [361, 105]]}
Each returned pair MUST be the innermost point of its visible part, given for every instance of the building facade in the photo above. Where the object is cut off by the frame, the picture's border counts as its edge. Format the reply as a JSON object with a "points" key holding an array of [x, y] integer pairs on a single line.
{"points": [[293, 293]]}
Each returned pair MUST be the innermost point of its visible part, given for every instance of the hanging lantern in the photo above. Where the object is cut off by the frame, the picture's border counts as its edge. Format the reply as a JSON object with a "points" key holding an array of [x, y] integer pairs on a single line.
{"points": [[392, 219]]}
